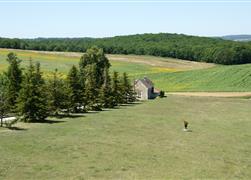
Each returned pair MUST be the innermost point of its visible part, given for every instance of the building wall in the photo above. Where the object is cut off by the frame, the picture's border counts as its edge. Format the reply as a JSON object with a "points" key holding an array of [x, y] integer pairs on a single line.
{"points": [[151, 93], [143, 93]]}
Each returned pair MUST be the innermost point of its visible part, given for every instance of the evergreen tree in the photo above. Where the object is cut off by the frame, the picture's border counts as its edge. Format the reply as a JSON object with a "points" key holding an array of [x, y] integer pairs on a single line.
{"points": [[116, 89], [32, 102], [92, 91], [82, 79], [106, 98], [14, 74], [3, 97], [127, 90], [58, 94], [75, 89]]}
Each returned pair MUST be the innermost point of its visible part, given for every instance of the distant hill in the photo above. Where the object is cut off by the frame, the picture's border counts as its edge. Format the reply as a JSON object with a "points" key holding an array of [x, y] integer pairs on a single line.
{"points": [[193, 48], [237, 37]]}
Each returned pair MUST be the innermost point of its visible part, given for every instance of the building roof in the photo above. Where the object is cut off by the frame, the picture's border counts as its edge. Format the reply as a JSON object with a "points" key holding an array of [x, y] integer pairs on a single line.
{"points": [[147, 82]]}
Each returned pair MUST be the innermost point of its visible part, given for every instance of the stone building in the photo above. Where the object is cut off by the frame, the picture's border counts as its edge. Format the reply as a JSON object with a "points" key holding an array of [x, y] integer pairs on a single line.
{"points": [[144, 89]]}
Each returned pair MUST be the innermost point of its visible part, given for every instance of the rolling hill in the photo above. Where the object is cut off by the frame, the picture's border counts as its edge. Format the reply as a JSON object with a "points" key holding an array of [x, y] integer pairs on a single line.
{"points": [[180, 46], [167, 74]]}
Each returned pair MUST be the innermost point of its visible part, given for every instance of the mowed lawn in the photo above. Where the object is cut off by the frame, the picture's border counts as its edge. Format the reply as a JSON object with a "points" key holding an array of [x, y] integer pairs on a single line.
{"points": [[141, 141]]}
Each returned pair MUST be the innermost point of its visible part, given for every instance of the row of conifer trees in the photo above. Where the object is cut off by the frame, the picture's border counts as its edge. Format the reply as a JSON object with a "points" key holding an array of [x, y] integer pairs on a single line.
{"points": [[26, 94]]}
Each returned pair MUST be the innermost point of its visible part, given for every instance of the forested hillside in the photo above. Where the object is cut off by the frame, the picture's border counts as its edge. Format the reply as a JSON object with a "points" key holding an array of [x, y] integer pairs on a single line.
{"points": [[179, 46]]}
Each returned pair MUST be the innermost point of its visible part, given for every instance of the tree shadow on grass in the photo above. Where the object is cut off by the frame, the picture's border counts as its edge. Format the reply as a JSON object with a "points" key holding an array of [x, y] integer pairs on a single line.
{"points": [[94, 112], [129, 104], [77, 115], [48, 121], [17, 129]]}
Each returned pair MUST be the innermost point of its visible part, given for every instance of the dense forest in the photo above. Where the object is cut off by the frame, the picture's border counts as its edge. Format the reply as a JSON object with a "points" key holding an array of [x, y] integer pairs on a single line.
{"points": [[194, 48]]}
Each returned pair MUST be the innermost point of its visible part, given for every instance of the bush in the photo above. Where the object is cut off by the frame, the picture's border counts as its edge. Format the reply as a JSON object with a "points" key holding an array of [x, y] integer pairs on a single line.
{"points": [[162, 94]]}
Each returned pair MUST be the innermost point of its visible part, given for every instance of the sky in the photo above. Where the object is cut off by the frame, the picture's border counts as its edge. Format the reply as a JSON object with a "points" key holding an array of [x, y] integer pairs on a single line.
{"points": [[23, 19]]}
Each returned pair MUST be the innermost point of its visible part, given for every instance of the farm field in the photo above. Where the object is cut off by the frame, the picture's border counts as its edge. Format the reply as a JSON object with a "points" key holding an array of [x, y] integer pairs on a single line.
{"points": [[168, 74], [147, 142], [134, 64]]}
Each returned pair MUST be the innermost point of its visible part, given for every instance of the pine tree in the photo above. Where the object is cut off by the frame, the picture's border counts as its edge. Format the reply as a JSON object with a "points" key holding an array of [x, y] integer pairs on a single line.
{"points": [[32, 102], [116, 89], [82, 79], [67, 102], [92, 91], [14, 74], [58, 94], [106, 98], [3, 97], [75, 89], [127, 90]]}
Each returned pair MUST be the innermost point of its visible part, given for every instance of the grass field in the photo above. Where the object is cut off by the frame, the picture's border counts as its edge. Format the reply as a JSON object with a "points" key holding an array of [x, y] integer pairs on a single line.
{"points": [[144, 140], [147, 142], [220, 78], [167, 74]]}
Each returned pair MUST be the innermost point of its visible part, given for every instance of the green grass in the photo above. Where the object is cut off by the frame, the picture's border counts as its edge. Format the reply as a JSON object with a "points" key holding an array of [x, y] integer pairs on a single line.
{"points": [[48, 61], [144, 141], [167, 74], [221, 78]]}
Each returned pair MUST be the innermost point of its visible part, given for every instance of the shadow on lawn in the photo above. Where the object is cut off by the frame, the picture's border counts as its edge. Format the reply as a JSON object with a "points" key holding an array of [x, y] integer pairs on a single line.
{"points": [[128, 105], [61, 116], [48, 121], [76, 115], [17, 129]]}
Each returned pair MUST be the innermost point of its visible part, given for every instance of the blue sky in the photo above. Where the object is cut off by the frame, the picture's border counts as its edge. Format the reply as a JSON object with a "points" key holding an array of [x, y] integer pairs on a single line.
{"points": [[61, 19]]}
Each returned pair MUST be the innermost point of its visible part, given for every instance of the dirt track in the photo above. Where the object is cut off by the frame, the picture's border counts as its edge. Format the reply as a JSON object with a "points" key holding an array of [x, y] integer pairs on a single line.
{"points": [[212, 94]]}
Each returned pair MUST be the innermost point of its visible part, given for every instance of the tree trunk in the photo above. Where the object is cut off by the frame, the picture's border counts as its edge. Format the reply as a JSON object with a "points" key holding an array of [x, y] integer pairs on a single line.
{"points": [[1, 121]]}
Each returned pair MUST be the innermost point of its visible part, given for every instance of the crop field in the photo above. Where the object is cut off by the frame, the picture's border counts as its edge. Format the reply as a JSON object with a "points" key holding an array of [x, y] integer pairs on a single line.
{"points": [[141, 141], [131, 63], [168, 74], [221, 78]]}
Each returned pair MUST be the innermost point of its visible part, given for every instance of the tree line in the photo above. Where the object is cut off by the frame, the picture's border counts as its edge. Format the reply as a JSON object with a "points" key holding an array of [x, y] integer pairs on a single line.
{"points": [[89, 86], [194, 48]]}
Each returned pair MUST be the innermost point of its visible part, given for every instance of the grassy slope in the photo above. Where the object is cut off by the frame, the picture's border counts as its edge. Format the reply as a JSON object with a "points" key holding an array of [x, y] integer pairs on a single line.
{"points": [[147, 142], [220, 78], [167, 74]]}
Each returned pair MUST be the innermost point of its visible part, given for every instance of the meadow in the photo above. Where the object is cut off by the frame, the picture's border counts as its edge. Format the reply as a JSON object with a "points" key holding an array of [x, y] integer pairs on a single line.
{"points": [[144, 140], [168, 74], [147, 142]]}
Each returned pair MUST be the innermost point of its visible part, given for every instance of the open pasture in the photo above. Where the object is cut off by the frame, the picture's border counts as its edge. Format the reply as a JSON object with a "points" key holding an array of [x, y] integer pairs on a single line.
{"points": [[142, 141]]}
